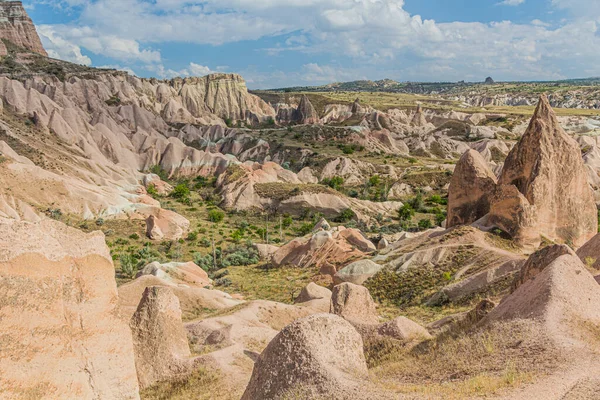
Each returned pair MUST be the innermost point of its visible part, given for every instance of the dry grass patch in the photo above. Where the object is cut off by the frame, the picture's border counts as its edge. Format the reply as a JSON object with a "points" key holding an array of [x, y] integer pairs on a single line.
{"points": [[476, 362], [201, 385]]}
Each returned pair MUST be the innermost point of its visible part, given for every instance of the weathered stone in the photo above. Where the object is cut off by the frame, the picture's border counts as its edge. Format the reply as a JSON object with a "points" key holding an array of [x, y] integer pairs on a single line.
{"points": [[354, 303]]}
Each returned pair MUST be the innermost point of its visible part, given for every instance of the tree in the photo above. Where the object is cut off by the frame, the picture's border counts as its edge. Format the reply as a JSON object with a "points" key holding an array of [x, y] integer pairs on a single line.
{"points": [[406, 213]]}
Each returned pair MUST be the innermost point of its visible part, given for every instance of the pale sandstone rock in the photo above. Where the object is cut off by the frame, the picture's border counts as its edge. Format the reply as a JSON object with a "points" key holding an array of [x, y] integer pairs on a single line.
{"points": [[312, 291], [357, 272], [404, 330], [159, 338], [59, 315], [470, 189], [168, 225], [547, 169], [187, 274], [354, 303], [540, 260], [316, 357]]}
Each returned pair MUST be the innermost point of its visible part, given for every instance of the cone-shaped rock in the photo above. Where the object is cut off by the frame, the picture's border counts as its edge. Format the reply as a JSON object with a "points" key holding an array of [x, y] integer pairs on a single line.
{"points": [[306, 113], [470, 188], [547, 169], [419, 118], [159, 338]]}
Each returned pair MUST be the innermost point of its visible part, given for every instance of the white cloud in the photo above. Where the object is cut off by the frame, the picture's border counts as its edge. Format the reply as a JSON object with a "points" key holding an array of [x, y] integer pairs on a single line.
{"points": [[511, 2], [192, 69], [58, 47], [376, 35]]}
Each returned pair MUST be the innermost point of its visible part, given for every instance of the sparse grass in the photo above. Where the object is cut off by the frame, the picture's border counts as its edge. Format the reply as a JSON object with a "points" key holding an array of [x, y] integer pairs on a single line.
{"points": [[201, 385], [473, 363], [275, 284], [283, 191]]}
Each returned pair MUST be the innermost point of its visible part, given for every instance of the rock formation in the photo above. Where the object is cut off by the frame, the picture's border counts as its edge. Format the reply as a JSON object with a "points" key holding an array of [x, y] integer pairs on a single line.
{"points": [[542, 191], [311, 292], [317, 357], [540, 260], [404, 330], [470, 189], [61, 336], [589, 253], [357, 272], [328, 250], [188, 274], [159, 338], [354, 303], [306, 113], [167, 225], [17, 27]]}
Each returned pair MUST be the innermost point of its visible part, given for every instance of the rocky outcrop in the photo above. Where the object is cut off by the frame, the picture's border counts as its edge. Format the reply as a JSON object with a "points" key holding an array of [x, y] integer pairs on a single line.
{"points": [[547, 169], [560, 297], [357, 272], [61, 334], [177, 273], [306, 113], [166, 225], [17, 27], [403, 330], [355, 304], [470, 189], [191, 298], [589, 253], [540, 260], [317, 357], [327, 250], [159, 339]]}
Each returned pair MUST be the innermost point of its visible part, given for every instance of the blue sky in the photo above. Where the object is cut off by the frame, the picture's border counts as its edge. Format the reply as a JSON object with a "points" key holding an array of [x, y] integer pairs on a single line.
{"points": [[277, 43]]}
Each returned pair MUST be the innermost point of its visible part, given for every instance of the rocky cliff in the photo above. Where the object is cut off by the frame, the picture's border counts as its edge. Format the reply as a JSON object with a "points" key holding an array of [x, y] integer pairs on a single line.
{"points": [[61, 337], [17, 27]]}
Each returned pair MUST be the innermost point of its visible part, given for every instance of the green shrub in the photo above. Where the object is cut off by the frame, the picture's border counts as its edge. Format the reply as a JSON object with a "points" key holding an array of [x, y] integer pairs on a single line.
{"points": [[181, 191], [225, 282], [192, 236], [54, 213], [425, 224], [152, 190], [205, 242], [305, 229], [100, 221], [157, 170], [345, 216], [287, 222], [335, 182], [216, 216], [134, 236], [406, 213], [128, 265], [240, 256]]}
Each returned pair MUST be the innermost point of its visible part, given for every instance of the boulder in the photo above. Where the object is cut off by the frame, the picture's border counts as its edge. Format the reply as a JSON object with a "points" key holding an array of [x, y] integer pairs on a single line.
{"points": [[166, 225], [354, 303], [159, 338], [316, 357], [546, 167], [404, 330], [383, 244], [265, 251], [589, 253], [470, 188], [357, 272], [311, 292], [322, 225], [60, 332]]}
